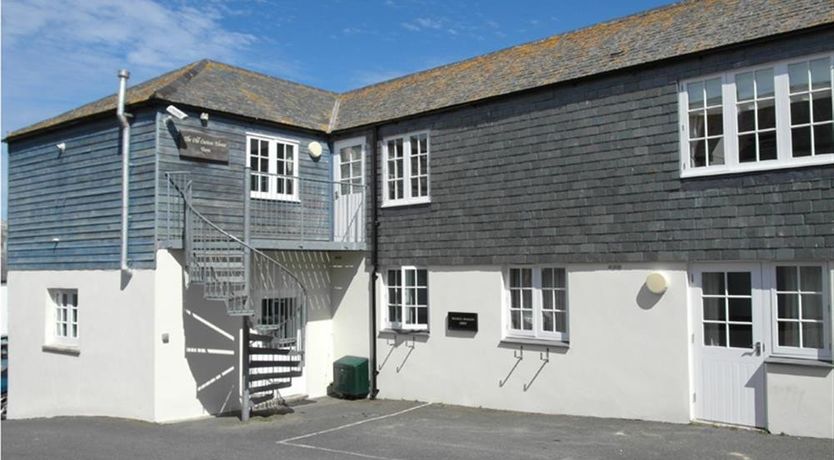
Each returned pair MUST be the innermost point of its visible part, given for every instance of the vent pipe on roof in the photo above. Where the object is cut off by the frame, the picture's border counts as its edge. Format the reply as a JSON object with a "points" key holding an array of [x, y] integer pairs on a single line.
{"points": [[125, 123]]}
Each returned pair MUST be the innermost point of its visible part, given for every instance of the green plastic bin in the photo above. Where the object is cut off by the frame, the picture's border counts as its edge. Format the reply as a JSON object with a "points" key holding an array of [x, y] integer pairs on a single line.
{"points": [[350, 377]]}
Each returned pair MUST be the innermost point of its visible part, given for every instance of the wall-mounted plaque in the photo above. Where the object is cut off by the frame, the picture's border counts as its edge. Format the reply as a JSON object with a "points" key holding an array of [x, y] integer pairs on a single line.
{"points": [[201, 146], [460, 321]]}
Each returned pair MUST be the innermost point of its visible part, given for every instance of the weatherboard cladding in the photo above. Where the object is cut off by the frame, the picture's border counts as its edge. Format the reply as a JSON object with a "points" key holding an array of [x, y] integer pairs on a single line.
{"points": [[217, 188], [589, 173], [676, 30], [76, 198]]}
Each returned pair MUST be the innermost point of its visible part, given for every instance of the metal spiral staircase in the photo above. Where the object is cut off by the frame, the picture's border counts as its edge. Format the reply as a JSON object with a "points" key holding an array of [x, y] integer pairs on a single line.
{"points": [[252, 285]]}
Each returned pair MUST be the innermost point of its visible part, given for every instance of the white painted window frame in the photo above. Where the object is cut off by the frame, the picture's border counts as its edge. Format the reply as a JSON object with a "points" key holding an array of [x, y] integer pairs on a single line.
{"points": [[783, 131], [796, 352], [537, 332], [407, 199], [54, 318], [273, 143], [383, 297]]}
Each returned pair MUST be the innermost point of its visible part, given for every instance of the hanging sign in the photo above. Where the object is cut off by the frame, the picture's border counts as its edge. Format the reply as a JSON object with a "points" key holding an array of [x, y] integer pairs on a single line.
{"points": [[201, 146]]}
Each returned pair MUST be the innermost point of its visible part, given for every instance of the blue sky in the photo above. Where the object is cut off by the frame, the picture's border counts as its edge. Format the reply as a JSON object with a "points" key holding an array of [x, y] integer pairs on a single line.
{"points": [[59, 54]]}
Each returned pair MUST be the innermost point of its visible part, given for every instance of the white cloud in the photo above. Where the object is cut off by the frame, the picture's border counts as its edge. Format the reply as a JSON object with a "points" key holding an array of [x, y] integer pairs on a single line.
{"points": [[418, 24], [58, 53]]}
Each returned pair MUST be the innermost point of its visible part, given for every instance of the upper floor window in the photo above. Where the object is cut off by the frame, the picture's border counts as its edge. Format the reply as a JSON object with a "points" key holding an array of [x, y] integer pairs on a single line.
{"points": [[537, 301], [768, 117], [405, 169], [274, 168], [407, 298]]}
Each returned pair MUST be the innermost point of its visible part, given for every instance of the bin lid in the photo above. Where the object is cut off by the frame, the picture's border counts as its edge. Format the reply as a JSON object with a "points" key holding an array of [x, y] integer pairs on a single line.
{"points": [[351, 360]]}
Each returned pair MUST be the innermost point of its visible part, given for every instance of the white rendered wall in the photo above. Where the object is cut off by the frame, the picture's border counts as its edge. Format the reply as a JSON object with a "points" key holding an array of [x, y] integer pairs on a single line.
{"points": [[628, 355], [350, 296], [800, 400], [4, 309], [112, 375]]}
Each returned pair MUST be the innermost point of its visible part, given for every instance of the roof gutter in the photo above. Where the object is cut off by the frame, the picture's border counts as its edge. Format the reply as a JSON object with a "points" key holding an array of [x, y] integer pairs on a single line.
{"points": [[125, 124]]}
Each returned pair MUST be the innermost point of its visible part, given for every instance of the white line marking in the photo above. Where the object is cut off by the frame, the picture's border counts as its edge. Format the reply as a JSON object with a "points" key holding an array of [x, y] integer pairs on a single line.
{"points": [[360, 422], [335, 451]]}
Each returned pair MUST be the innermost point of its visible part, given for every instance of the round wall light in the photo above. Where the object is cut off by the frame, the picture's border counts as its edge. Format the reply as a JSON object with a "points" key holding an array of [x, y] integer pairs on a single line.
{"points": [[315, 150], [657, 283]]}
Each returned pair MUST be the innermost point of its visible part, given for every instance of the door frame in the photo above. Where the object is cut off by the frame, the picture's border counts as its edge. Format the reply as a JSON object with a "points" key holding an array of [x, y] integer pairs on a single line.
{"points": [[337, 176], [758, 271]]}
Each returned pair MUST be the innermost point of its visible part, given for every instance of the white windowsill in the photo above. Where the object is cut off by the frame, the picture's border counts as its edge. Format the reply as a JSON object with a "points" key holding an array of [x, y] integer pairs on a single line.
{"points": [[287, 199], [420, 332], [397, 203], [72, 350], [754, 167], [552, 343], [794, 361]]}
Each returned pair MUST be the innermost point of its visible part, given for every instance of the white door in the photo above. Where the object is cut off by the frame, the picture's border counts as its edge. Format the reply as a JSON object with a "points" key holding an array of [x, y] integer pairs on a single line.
{"points": [[729, 318], [349, 190]]}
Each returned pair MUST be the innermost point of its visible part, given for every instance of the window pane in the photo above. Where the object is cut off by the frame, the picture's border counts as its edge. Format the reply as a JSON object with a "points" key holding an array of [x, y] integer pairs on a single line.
{"points": [[741, 336], [714, 92], [527, 277], [822, 106], [747, 148], [548, 321], [786, 279], [696, 95], [696, 125], [788, 306], [744, 86], [741, 310], [527, 299], [697, 153], [812, 336], [410, 296], [800, 109], [715, 335], [746, 117], [713, 283], [422, 278], [527, 320], [559, 274], [561, 303], [422, 296], [738, 283], [515, 277], [716, 151], [798, 75], [801, 140], [515, 299], [767, 146], [561, 322], [788, 334], [714, 308], [824, 139], [767, 114], [515, 319], [410, 278], [411, 317], [715, 121], [811, 279], [547, 278], [812, 306], [423, 316], [547, 300], [764, 83], [820, 74]]}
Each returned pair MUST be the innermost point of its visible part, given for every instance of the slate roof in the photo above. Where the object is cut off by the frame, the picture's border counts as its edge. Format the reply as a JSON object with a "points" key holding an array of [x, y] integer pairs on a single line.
{"points": [[216, 86], [688, 27]]}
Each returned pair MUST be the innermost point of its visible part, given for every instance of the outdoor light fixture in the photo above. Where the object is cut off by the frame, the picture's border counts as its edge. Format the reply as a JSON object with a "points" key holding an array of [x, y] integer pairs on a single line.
{"points": [[657, 283], [204, 117], [62, 147], [315, 150]]}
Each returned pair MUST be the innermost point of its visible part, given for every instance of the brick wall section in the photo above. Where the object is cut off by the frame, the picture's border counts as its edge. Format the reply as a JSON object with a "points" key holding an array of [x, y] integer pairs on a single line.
{"points": [[588, 172]]}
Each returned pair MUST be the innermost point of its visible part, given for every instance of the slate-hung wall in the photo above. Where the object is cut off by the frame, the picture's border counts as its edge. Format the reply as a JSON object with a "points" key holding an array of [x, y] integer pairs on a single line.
{"points": [[76, 197], [589, 172], [217, 188]]}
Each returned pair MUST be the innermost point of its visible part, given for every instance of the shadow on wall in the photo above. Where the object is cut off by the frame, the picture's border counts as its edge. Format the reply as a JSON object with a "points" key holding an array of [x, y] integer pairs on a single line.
{"points": [[313, 269], [211, 350]]}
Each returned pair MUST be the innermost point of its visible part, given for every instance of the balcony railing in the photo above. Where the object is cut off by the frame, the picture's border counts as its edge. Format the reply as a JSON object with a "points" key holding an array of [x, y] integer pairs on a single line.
{"points": [[283, 211], [304, 209]]}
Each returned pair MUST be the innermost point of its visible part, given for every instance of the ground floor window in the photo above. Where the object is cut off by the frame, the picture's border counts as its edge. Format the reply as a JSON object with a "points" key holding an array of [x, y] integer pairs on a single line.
{"points": [[407, 298], [64, 317], [537, 304], [800, 316]]}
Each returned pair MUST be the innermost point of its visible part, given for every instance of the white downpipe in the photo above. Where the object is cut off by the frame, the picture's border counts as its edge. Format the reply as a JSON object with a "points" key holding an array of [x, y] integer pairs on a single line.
{"points": [[123, 120]]}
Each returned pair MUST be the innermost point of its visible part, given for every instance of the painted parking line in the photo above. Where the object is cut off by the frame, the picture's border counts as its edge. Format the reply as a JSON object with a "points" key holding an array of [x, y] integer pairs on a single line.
{"points": [[292, 441]]}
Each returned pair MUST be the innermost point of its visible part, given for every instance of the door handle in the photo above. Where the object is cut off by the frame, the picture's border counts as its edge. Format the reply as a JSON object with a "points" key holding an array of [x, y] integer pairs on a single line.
{"points": [[758, 348]]}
